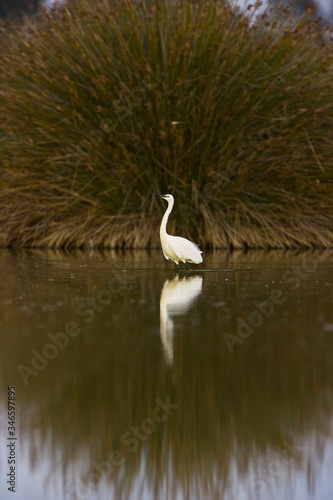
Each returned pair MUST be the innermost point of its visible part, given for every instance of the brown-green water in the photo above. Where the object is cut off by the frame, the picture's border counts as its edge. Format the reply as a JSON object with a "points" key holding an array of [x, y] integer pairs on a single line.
{"points": [[134, 383]]}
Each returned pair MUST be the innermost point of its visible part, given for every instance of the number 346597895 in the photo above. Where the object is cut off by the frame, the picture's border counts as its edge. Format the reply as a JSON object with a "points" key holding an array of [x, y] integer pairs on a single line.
{"points": [[11, 409]]}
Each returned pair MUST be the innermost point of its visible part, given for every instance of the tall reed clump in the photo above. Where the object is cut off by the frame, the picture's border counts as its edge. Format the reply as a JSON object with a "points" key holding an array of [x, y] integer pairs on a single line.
{"points": [[105, 103]]}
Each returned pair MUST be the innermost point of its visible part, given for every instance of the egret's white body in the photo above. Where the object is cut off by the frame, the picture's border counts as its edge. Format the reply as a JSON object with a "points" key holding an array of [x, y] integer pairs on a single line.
{"points": [[176, 248]]}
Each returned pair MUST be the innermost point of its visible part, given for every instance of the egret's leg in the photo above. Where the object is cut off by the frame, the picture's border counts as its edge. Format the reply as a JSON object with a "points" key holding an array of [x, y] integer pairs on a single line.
{"points": [[178, 267], [187, 267]]}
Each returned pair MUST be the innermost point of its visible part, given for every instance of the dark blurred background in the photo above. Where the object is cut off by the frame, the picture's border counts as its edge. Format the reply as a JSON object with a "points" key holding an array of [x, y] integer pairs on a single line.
{"points": [[16, 8]]}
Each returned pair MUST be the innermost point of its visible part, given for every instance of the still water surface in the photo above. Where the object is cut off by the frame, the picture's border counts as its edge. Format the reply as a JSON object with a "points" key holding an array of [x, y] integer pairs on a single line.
{"points": [[133, 382]]}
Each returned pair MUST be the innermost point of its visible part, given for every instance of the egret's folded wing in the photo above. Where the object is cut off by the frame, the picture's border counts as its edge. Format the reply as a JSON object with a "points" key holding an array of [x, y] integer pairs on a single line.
{"points": [[185, 249]]}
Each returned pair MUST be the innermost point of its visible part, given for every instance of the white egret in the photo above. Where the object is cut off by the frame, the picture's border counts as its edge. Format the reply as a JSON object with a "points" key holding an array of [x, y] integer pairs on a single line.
{"points": [[174, 247]]}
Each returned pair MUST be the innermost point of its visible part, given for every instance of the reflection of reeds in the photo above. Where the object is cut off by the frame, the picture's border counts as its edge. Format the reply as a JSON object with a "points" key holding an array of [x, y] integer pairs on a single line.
{"points": [[105, 103], [234, 408]]}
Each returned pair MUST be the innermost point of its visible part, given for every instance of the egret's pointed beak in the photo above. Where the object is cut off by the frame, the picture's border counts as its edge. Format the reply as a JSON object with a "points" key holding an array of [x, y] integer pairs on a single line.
{"points": [[160, 195]]}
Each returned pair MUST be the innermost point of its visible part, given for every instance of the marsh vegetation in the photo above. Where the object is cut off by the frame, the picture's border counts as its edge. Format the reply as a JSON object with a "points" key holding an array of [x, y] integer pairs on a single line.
{"points": [[106, 103]]}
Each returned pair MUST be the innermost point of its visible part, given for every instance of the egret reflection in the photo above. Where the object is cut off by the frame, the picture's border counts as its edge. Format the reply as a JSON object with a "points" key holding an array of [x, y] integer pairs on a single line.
{"points": [[177, 298]]}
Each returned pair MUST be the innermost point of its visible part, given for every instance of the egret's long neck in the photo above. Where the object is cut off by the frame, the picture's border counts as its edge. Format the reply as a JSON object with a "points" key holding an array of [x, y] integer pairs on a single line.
{"points": [[163, 231]]}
